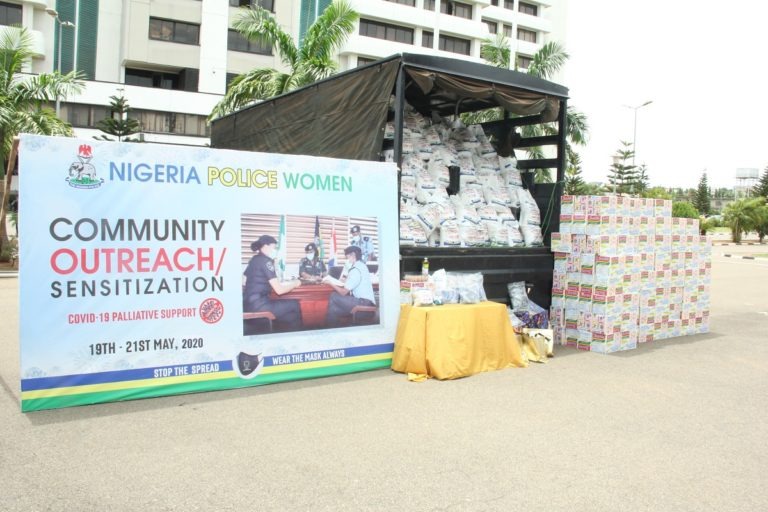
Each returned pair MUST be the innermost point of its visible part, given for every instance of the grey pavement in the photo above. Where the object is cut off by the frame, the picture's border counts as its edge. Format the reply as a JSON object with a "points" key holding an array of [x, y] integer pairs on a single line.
{"points": [[677, 425]]}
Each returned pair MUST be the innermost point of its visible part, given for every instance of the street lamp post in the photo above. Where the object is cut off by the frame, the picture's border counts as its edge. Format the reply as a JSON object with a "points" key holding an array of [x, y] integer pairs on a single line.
{"points": [[634, 133], [62, 24]]}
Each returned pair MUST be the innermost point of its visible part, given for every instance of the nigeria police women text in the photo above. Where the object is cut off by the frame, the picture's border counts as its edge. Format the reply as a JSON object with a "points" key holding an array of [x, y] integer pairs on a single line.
{"points": [[261, 279]]}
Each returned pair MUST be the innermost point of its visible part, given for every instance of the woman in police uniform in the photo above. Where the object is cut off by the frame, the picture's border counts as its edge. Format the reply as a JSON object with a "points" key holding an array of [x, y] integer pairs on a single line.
{"points": [[312, 267], [261, 279]]}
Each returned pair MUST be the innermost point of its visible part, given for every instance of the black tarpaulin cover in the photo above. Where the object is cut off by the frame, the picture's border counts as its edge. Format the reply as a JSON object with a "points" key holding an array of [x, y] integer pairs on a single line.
{"points": [[341, 118], [344, 116]]}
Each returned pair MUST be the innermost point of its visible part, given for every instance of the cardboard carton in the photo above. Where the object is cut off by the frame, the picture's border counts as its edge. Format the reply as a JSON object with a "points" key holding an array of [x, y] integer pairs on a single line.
{"points": [[561, 242]]}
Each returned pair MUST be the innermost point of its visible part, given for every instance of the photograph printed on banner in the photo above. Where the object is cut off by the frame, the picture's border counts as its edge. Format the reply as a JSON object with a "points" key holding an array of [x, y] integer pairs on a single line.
{"points": [[308, 272]]}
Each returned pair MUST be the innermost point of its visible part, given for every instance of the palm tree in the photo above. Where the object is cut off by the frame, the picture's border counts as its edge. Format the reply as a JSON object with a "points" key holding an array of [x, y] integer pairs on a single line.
{"points": [[739, 217], [760, 217], [310, 62], [545, 63], [496, 51], [24, 99]]}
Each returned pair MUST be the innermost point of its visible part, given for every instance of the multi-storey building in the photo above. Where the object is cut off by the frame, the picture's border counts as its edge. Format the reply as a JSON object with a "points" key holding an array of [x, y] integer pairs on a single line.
{"points": [[173, 59], [448, 28]]}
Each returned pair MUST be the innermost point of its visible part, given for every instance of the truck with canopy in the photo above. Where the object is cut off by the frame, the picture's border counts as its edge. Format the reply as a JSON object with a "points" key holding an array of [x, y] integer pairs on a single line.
{"points": [[344, 116]]}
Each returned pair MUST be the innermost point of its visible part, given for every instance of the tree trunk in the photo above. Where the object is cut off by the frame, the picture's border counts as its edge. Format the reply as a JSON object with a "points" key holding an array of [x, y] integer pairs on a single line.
{"points": [[6, 192], [736, 235]]}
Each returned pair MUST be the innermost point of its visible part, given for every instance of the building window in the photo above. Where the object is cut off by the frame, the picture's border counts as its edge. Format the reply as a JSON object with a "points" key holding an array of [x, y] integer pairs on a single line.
{"points": [[385, 31], [174, 31], [493, 27], [155, 79], [454, 45], [495, 2], [230, 77], [428, 39], [528, 9], [526, 35], [266, 4], [237, 43], [429, 5], [524, 61], [412, 3], [507, 30], [86, 116], [171, 122], [10, 14], [456, 9], [509, 4], [362, 61]]}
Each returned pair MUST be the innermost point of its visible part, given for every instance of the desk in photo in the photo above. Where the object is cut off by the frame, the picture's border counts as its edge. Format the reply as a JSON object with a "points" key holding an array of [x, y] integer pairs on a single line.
{"points": [[455, 340], [313, 301]]}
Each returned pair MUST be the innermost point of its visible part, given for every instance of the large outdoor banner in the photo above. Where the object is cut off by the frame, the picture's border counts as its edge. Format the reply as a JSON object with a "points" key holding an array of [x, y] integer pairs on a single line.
{"points": [[150, 270]]}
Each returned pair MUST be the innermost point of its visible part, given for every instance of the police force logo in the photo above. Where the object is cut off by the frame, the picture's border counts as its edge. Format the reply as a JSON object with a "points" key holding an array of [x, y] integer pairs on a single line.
{"points": [[82, 174]]}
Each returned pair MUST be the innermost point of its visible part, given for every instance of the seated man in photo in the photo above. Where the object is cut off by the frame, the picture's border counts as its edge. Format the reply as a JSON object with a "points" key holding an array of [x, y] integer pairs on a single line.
{"points": [[357, 289]]}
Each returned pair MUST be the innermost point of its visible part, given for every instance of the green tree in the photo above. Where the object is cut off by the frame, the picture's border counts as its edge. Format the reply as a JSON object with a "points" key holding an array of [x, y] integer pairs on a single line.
{"points": [[642, 179], [313, 60], [761, 189], [118, 124], [759, 213], [739, 217], [706, 225], [622, 175], [496, 51], [683, 194], [723, 193], [545, 63], [24, 99], [593, 189], [684, 209], [574, 183], [702, 199], [656, 193]]}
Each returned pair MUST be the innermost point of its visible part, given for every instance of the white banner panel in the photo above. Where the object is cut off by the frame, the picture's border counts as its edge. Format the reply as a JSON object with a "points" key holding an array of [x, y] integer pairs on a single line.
{"points": [[133, 260]]}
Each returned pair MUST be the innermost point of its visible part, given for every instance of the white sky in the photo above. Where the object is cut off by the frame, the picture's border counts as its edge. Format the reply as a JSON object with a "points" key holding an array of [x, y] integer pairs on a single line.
{"points": [[702, 63]]}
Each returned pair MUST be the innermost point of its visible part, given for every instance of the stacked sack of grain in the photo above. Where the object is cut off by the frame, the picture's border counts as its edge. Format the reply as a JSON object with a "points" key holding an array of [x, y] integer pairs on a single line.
{"points": [[491, 195]]}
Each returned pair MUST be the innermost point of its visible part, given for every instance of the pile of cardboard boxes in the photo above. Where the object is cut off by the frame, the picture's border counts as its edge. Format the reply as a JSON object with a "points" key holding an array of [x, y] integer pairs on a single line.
{"points": [[627, 272]]}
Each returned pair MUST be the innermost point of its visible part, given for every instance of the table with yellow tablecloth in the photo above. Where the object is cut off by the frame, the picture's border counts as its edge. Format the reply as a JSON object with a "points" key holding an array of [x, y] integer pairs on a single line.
{"points": [[455, 340]]}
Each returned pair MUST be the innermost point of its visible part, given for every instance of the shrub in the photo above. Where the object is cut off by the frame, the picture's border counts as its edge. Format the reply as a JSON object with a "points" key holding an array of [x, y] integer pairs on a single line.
{"points": [[684, 209]]}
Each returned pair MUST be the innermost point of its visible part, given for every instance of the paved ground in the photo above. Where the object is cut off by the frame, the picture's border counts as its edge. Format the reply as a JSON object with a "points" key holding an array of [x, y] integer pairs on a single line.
{"points": [[680, 425]]}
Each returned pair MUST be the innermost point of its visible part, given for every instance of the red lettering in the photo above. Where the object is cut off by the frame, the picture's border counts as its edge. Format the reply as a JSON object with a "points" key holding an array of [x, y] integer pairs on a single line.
{"points": [[142, 259], [163, 260], [124, 260], [202, 259], [177, 254], [55, 263]]}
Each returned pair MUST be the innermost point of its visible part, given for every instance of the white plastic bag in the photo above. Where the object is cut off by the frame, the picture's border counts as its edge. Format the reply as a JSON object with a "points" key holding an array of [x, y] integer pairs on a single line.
{"points": [[470, 287], [449, 234], [518, 296], [408, 187], [515, 236], [429, 217]]}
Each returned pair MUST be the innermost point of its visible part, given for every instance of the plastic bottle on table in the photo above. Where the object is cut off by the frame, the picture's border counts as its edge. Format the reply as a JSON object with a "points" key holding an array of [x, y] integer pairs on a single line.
{"points": [[425, 267]]}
